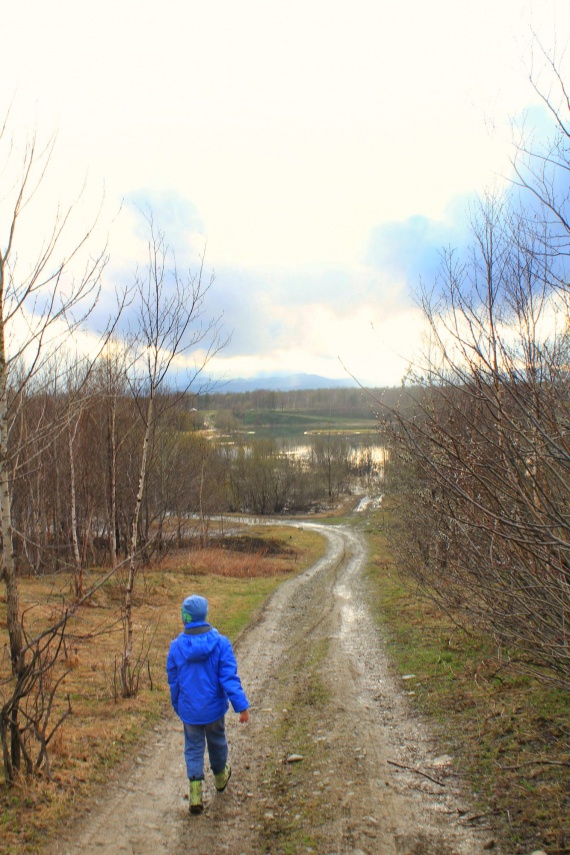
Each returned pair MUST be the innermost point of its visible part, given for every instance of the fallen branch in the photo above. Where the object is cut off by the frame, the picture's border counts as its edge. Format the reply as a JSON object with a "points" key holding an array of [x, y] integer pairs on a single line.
{"points": [[477, 816], [417, 771]]}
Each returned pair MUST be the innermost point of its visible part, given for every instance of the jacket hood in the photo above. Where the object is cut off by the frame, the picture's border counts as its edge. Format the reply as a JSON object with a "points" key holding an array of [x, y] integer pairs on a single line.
{"points": [[196, 648]]}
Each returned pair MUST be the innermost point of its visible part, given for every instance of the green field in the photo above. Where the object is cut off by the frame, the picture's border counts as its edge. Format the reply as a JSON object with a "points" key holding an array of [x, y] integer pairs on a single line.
{"points": [[284, 424]]}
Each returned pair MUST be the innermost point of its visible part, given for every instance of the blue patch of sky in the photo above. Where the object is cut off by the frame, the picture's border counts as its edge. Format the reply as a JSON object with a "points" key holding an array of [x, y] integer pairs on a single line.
{"points": [[178, 220], [243, 298], [411, 249], [174, 215]]}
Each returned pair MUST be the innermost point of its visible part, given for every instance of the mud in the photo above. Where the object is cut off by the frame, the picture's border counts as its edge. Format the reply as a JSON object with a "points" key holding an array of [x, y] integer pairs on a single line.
{"points": [[372, 778]]}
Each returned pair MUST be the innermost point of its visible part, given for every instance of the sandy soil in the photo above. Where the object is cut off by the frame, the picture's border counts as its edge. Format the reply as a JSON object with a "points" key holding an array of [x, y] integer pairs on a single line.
{"points": [[315, 669]]}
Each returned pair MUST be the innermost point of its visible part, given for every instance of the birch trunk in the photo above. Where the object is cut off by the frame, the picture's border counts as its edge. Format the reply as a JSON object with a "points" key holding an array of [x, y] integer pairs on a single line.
{"points": [[112, 464], [127, 686], [8, 563], [77, 569], [203, 528]]}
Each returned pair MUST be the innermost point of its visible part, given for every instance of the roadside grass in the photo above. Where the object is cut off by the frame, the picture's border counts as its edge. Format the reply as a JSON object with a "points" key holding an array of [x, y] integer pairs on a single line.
{"points": [[509, 733], [105, 729]]}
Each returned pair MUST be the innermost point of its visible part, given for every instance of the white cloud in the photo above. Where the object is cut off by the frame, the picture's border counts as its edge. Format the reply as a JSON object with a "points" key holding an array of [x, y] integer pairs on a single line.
{"points": [[366, 342], [293, 130]]}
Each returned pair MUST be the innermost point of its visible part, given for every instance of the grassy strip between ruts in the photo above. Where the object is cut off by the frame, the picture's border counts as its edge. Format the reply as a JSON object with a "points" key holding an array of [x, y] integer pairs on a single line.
{"points": [[509, 733], [104, 728], [290, 812]]}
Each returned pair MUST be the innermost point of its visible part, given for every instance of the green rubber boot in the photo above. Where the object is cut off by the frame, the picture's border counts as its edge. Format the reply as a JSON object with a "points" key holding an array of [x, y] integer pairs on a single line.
{"points": [[196, 803], [222, 778]]}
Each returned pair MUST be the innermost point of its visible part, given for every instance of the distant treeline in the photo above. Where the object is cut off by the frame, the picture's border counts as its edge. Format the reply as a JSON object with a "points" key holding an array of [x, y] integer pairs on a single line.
{"points": [[353, 403]]}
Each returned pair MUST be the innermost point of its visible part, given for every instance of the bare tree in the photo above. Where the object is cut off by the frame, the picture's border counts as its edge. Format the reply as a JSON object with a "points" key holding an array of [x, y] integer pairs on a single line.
{"points": [[542, 167], [44, 299], [111, 390], [171, 326], [487, 443]]}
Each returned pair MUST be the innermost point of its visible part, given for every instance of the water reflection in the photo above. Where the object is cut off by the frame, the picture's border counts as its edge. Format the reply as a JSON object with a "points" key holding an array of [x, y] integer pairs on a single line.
{"points": [[358, 452]]}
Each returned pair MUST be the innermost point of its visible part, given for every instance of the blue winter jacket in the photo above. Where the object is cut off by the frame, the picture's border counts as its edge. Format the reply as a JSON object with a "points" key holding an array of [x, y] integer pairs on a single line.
{"points": [[202, 675]]}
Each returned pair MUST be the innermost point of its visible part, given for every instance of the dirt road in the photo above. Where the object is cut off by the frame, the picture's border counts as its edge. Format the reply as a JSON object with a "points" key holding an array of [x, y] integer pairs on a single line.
{"points": [[316, 674]]}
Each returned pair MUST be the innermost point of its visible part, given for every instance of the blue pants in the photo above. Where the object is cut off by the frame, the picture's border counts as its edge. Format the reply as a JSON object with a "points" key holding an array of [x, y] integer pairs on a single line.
{"points": [[196, 736]]}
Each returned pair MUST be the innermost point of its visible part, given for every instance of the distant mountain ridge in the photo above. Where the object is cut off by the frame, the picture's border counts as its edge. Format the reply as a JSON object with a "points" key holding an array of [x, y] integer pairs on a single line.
{"points": [[287, 383]]}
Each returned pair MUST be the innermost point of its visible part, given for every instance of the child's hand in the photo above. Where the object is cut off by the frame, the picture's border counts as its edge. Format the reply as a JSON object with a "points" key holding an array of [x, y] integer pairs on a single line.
{"points": [[244, 716]]}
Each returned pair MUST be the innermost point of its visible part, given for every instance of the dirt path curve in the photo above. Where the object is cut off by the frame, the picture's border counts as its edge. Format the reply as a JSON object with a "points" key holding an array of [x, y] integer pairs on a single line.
{"points": [[316, 673]]}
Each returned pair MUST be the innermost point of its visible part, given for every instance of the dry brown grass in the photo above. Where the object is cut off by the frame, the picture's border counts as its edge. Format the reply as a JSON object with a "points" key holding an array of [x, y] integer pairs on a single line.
{"points": [[104, 727], [221, 562]]}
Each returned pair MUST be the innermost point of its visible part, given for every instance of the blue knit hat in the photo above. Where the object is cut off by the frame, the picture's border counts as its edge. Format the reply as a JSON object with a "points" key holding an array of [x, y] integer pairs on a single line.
{"points": [[194, 608]]}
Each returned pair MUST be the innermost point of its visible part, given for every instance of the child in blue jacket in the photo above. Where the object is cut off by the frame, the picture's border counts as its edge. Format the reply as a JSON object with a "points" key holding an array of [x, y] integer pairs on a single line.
{"points": [[203, 679]]}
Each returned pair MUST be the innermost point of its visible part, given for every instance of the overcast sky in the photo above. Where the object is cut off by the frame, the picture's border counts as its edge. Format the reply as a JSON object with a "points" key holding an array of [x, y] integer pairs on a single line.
{"points": [[321, 150]]}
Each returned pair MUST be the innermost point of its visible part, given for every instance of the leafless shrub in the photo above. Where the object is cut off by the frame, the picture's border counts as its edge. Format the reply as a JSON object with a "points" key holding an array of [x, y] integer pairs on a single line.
{"points": [[485, 451], [31, 712]]}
